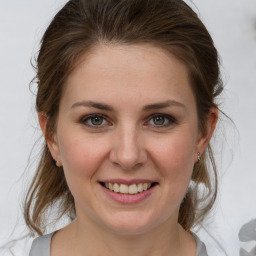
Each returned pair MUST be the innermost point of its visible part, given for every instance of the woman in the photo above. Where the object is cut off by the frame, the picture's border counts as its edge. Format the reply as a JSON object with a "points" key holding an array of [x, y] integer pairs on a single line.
{"points": [[125, 101]]}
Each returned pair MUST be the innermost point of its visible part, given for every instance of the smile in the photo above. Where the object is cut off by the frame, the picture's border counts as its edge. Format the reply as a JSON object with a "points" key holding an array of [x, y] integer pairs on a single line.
{"points": [[132, 189]]}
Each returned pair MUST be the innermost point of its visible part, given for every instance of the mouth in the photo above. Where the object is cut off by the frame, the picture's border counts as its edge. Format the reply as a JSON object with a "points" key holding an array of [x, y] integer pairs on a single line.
{"points": [[131, 189]]}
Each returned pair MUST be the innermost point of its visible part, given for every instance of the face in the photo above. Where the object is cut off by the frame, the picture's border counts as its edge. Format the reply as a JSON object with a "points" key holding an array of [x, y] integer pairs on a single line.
{"points": [[128, 122]]}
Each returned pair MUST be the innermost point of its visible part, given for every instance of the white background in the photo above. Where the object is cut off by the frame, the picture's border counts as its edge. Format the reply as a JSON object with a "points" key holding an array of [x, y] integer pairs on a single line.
{"points": [[232, 25]]}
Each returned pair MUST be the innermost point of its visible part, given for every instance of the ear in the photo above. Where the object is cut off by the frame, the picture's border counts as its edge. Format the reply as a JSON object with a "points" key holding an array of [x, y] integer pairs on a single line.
{"points": [[204, 138], [51, 140]]}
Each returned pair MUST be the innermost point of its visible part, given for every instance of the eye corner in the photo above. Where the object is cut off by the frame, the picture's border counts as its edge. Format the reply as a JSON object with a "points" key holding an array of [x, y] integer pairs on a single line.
{"points": [[166, 120], [101, 121]]}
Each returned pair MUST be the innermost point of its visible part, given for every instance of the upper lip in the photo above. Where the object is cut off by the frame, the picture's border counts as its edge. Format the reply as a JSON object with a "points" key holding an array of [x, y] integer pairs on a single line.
{"points": [[127, 182]]}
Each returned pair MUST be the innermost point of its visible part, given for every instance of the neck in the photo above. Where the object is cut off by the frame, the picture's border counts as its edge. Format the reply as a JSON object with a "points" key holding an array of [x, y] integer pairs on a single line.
{"points": [[168, 239]]}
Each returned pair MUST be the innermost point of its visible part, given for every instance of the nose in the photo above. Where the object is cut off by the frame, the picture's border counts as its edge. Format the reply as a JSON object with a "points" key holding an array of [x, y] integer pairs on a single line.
{"points": [[127, 149]]}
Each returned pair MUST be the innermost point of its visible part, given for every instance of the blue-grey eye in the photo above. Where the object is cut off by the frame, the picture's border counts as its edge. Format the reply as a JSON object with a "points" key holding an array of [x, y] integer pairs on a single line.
{"points": [[96, 120], [159, 120]]}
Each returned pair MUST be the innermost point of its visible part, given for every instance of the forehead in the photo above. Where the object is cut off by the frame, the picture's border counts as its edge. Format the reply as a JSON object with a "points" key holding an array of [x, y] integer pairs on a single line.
{"points": [[140, 71]]}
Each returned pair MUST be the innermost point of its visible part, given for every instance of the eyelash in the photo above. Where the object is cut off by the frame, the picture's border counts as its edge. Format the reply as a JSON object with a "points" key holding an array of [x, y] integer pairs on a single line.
{"points": [[85, 119], [171, 120]]}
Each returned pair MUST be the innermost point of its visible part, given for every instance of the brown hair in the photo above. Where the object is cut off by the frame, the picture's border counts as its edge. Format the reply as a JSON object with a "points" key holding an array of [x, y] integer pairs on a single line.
{"points": [[82, 24]]}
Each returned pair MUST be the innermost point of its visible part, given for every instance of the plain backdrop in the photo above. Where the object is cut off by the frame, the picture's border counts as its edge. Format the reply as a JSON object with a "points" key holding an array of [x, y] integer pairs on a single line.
{"points": [[232, 25]]}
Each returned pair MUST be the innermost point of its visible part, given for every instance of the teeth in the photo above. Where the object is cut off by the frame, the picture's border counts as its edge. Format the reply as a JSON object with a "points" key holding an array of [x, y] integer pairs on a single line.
{"points": [[140, 187], [125, 189], [116, 188], [133, 189]]}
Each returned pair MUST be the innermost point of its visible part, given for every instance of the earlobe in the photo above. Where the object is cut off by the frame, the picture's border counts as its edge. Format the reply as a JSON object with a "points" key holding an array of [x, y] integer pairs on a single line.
{"points": [[210, 125], [50, 140]]}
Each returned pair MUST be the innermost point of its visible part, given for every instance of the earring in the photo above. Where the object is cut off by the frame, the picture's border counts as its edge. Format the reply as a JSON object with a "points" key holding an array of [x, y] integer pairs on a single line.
{"points": [[58, 164], [198, 157]]}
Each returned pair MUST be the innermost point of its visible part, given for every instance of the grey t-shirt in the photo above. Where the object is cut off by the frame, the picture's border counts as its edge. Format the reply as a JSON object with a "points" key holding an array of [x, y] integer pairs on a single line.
{"points": [[41, 246]]}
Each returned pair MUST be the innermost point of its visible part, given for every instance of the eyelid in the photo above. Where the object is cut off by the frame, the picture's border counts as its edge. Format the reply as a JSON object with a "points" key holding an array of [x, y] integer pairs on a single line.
{"points": [[84, 119], [170, 118]]}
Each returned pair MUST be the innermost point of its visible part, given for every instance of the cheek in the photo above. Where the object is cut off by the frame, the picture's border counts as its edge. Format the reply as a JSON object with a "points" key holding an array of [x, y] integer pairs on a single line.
{"points": [[174, 157], [81, 156]]}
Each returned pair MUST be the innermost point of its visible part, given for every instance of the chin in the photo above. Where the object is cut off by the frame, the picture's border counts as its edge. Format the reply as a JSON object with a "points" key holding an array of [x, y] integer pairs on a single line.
{"points": [[130, 224]]}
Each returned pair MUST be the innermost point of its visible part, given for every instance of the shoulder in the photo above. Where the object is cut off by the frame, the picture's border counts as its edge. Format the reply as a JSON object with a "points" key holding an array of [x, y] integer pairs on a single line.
{"points": [[41, 245], [201, 249]]}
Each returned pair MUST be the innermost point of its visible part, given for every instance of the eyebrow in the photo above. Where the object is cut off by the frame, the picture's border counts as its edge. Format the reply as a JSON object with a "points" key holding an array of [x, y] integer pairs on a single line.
{"points": [[164, 104], [93, 104], [106, 107]]}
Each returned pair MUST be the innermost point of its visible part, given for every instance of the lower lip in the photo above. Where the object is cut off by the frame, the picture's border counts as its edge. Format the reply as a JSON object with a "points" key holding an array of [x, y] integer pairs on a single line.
{"points": [[128, 198]]}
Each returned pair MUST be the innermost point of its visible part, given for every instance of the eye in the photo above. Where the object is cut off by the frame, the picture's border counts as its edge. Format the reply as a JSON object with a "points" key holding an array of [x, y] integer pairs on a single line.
{"points": [[161, 120], [94, 120]]}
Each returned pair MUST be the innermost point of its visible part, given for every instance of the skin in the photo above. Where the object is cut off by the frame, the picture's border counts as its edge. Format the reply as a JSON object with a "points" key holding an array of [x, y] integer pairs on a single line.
{"points": [[128, 144]]}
